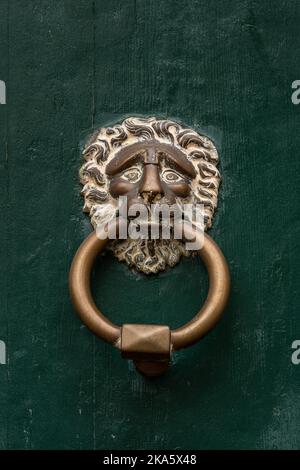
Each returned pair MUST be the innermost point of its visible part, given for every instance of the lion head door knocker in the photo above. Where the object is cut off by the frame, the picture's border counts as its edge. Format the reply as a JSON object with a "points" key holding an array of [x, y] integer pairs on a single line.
{"points": [[142, 179]]}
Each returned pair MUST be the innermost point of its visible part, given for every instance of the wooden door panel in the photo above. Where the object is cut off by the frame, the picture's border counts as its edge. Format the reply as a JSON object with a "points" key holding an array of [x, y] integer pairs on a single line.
{"points": [[222, 67]]}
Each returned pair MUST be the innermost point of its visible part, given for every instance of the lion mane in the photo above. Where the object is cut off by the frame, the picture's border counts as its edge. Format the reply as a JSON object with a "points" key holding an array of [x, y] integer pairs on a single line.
{"points": [[101, 149]]}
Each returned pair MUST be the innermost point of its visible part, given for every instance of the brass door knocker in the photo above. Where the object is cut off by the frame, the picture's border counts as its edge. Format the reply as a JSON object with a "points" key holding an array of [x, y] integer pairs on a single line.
{"points": [[150, 187]]}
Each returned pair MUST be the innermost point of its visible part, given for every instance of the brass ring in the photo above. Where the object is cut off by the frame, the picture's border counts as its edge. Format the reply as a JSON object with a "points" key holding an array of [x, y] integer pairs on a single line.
{"points": [[182, 337]]}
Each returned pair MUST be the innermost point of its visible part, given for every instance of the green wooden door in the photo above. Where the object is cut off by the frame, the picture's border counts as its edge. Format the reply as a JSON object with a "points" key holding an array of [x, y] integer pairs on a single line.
{"points": [[225, 67]]}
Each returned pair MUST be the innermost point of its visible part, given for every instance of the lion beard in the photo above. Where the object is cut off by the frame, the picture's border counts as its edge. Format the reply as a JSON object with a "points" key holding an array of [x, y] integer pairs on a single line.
{"points": [[149, 256], [145, 255]]}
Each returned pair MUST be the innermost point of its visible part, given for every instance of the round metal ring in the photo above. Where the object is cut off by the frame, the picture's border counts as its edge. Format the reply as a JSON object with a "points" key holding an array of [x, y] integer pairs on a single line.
{"points": [[182, 337]]}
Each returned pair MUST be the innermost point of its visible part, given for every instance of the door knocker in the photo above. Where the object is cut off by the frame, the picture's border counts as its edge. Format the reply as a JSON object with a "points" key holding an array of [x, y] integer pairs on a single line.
{"points": [[150, 187]]}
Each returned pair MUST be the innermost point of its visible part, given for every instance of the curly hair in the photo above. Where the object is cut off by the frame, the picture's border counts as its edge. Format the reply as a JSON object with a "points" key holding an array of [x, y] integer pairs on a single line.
{"points": [[104, 143]]}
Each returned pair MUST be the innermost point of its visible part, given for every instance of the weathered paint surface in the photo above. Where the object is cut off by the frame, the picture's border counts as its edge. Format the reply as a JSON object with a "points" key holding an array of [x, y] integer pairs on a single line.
{"points": [[227, 68]]}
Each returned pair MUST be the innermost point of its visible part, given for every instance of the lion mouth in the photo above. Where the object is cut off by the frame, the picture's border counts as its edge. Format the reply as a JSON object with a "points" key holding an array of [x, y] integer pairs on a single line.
{"points": [[152, 221]]}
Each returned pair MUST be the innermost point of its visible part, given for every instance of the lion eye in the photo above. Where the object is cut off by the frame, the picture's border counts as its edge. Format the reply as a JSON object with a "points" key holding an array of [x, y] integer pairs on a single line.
{"points": [[171, 176], [132, 174]]}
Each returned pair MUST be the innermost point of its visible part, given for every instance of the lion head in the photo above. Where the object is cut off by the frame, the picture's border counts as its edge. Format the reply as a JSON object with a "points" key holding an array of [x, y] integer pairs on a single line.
{"points": [[148, 160]]}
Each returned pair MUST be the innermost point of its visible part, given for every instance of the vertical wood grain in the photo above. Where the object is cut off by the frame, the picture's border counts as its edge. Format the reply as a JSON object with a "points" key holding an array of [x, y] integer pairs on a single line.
{"points": [[225, 68]]}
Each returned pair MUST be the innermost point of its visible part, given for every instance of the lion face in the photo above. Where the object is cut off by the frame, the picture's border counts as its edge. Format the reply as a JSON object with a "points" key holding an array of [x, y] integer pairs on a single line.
{"points": [[148, 161]]}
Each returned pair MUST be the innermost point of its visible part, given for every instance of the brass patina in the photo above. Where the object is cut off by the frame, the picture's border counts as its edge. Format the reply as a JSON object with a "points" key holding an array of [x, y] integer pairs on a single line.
{"points": [[148, 161]]}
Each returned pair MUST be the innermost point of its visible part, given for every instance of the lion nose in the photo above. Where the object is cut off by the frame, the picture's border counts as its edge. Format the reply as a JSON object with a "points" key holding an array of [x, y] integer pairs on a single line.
{"points": [[151, 182]]}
